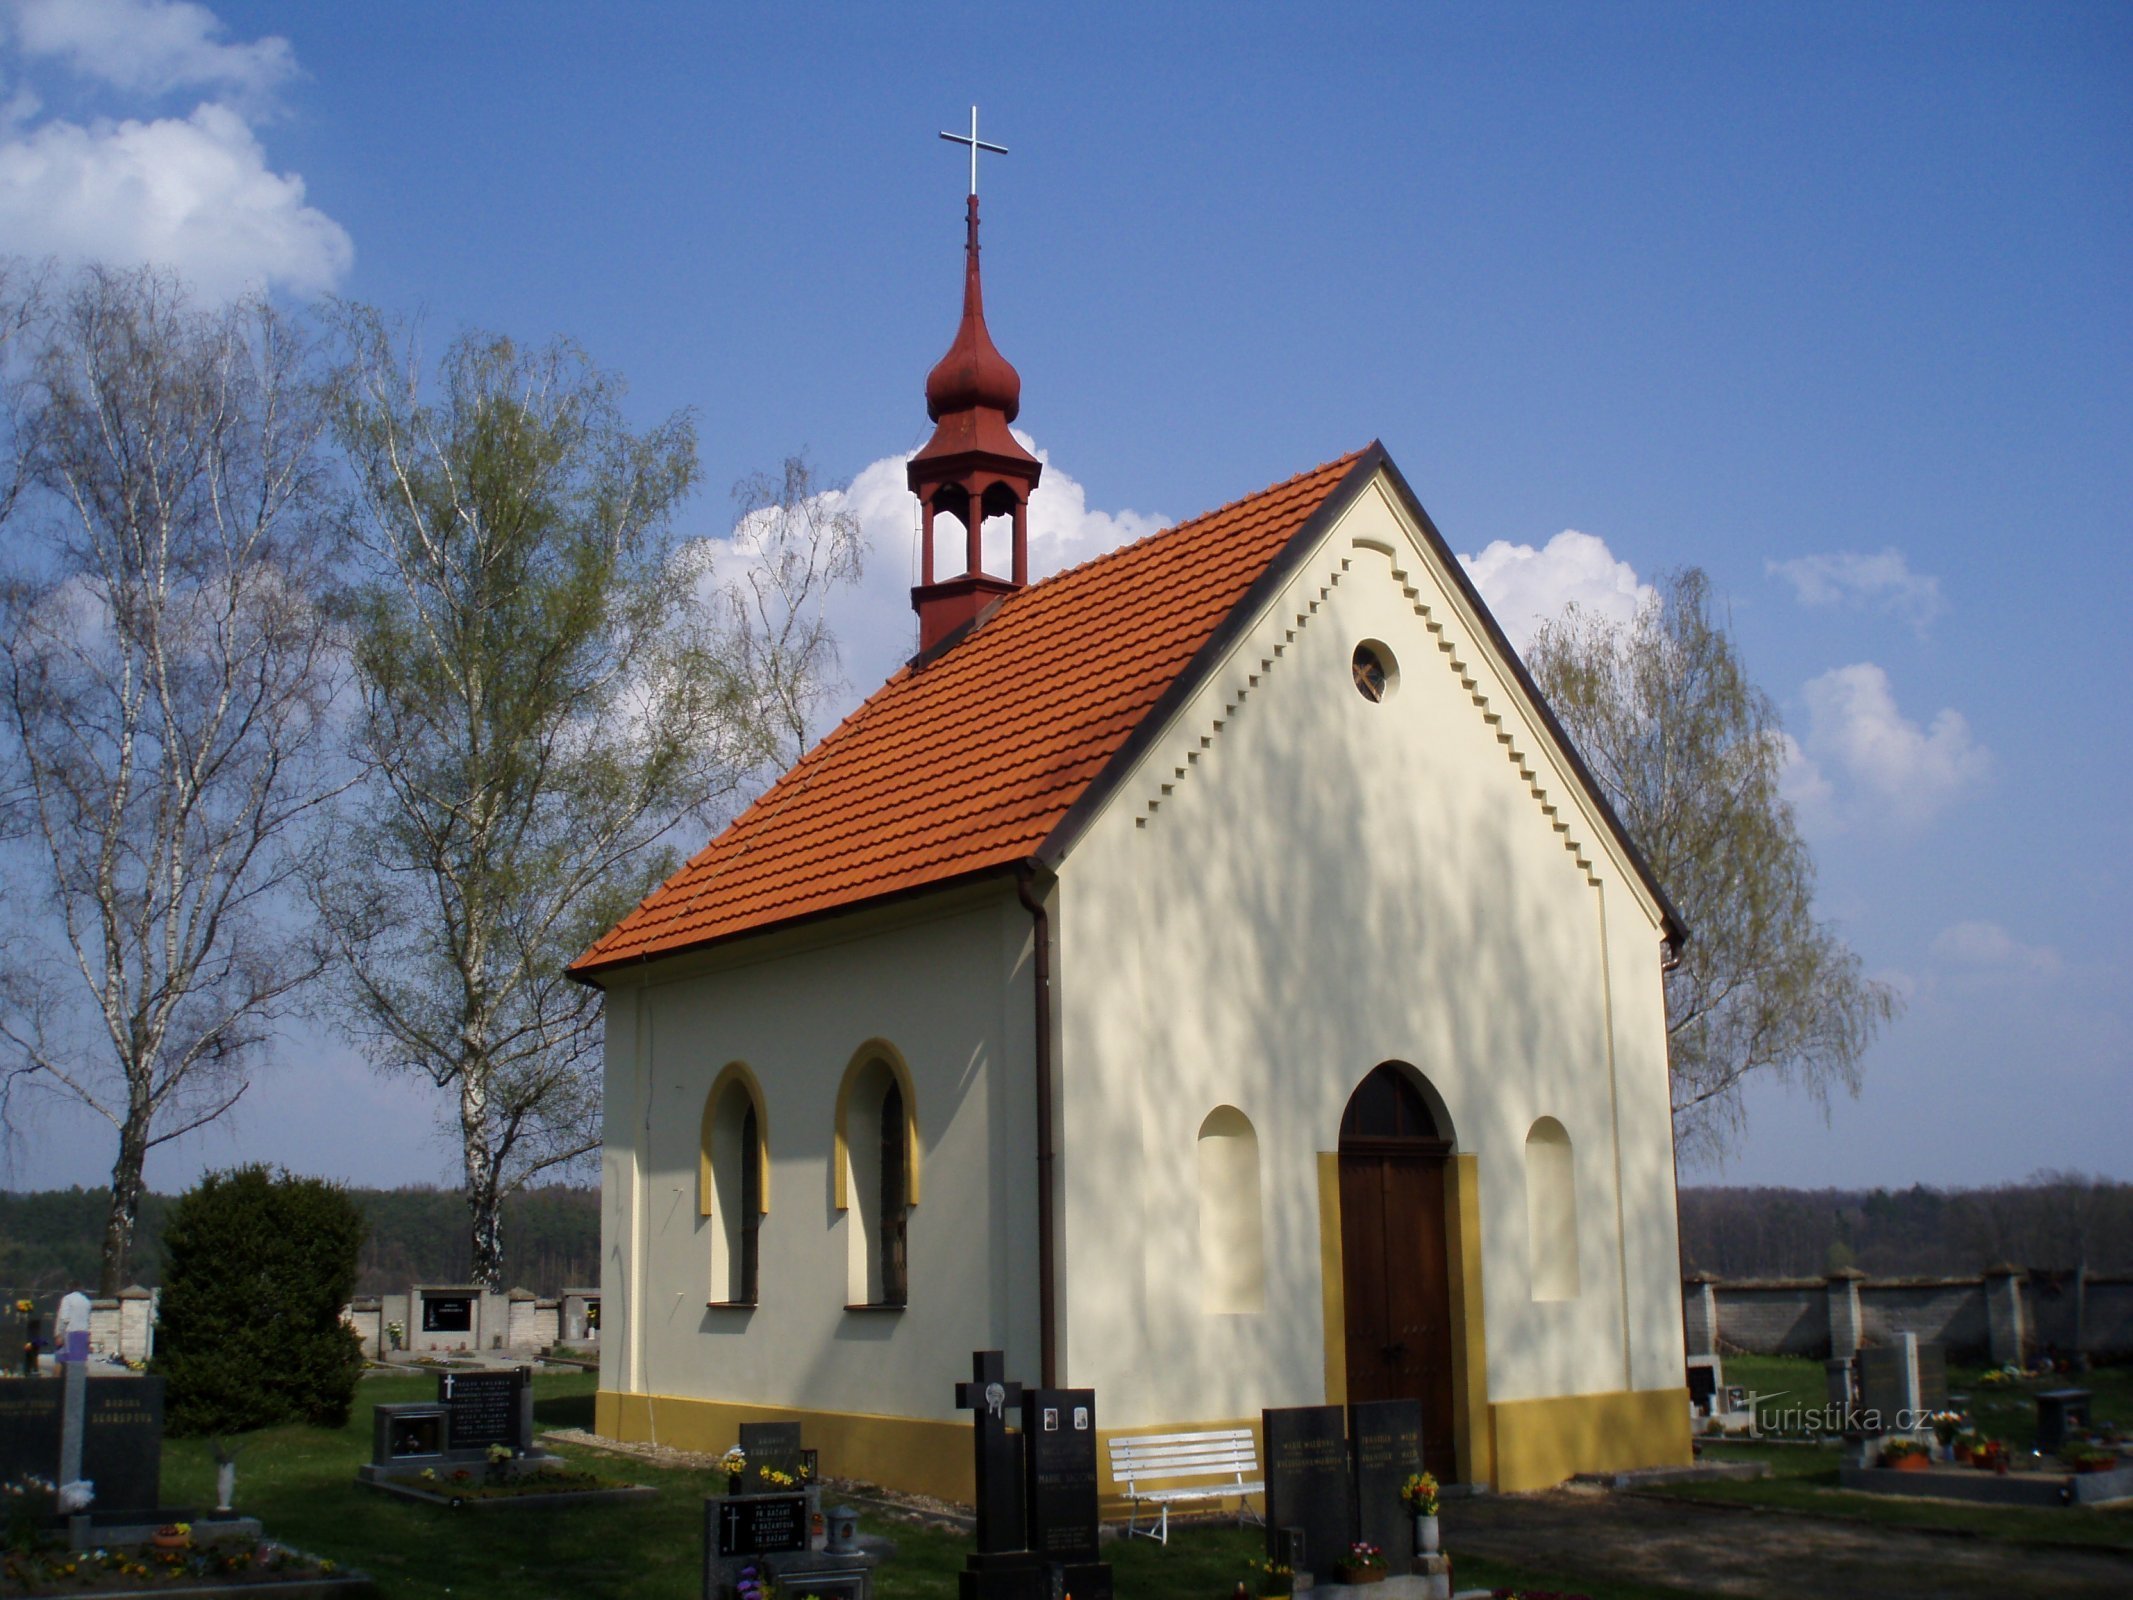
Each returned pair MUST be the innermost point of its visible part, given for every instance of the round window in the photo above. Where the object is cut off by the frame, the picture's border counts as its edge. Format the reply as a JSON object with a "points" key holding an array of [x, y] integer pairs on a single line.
{"points": [[1376, 673]]}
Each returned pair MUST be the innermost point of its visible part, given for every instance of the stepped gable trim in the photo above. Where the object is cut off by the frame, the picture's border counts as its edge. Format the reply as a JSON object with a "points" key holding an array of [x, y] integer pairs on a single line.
{"points": [[1677, 931], [1152, 727]]}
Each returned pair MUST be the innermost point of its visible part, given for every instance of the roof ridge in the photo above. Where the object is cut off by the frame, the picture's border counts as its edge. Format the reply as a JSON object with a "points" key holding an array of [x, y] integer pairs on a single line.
{"points": [[1180, 526]]}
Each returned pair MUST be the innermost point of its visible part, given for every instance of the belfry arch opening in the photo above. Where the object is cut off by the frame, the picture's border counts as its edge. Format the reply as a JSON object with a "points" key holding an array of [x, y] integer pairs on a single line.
{"points": [[1395, 1146]]}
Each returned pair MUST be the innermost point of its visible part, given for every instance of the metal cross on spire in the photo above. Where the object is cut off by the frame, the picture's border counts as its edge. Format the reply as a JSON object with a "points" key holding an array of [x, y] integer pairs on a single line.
{"points": [[976, 144]]}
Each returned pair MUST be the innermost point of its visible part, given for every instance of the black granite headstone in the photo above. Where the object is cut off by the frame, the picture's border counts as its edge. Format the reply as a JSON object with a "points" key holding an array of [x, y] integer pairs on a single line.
{"points": [[757, 1524], [1385, 1443], [770, 1447], [1307, 1481], [122, 1436], [992, 1400], [487, 1408], [1059, 1445]]}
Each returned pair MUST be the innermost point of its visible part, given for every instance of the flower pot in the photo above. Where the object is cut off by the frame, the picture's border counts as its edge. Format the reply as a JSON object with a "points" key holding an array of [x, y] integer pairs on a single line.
{"points": [[1343, 1573], [1910, 1463], [733, 1483], [2098, 1464], [1426, 1535], [169, 1539]]}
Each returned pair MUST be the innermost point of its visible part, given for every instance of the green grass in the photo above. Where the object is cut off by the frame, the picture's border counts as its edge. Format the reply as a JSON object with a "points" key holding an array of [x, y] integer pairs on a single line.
{"points": [[1804, 1477], [301, 1483]]}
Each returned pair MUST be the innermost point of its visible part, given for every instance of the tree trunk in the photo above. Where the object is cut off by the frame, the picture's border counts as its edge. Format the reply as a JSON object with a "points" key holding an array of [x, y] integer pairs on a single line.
{"points": [[485, 1201], [125, 1212]]}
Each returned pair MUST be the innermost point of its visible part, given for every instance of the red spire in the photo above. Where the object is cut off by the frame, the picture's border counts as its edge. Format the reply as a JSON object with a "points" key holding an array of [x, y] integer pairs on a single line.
{"points": [[972, 468], [973, 373]]}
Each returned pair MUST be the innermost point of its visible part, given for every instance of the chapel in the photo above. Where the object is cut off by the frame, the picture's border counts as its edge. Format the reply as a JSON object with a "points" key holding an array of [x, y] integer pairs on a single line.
{"points": [[1207, 975]]}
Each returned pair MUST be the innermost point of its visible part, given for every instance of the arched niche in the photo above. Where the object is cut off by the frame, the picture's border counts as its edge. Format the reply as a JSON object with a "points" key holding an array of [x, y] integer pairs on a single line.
{"points": [[1232, 1228], [1551, 1211]]}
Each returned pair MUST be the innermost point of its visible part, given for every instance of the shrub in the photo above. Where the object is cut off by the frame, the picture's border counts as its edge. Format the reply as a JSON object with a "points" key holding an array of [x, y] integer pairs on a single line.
{"points": [[256, 1269]]}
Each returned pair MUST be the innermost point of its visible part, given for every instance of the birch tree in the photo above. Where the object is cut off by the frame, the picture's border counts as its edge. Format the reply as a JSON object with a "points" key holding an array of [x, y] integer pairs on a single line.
{"points": [[550, 682], [165, 675], [1688, 752]]}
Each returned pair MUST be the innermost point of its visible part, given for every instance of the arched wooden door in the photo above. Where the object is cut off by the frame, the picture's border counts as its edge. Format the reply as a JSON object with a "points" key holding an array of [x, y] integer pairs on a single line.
{"points": [[1395, 1264]]}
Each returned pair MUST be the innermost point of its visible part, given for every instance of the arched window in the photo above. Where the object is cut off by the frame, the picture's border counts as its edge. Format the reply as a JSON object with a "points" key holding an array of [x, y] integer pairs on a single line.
{"points": [[877, 1178], [732, 1192], [1551, 1211], [1232, 1254]]}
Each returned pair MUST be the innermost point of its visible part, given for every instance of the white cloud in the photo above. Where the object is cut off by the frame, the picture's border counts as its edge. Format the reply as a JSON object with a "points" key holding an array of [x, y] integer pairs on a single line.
{"points": [[1986, 946], [193, 193], [150, 47], [872, 620], [1525, 587], [1889, 765], [1885, 582]]}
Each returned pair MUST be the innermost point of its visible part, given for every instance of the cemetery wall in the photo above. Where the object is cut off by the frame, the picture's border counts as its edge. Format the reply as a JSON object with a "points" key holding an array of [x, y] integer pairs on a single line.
{"points": [[942, 985], [1787, 1317], [1233, 941], [1791, 1316], [1949, 1311]]}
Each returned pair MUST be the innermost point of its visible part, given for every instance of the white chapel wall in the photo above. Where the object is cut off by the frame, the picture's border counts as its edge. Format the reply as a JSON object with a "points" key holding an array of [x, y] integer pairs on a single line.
{"points": [[1298, 885], [947, 984]]}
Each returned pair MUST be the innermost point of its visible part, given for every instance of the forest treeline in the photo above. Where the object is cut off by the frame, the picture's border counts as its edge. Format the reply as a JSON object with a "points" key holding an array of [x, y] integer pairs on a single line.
{"points": [[2055, 1222], [52, 1239], [2052, 1223]]}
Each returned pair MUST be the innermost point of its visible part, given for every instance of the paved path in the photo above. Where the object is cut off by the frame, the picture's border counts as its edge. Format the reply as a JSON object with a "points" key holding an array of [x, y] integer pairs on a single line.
{"points": [[1729, 1551]]}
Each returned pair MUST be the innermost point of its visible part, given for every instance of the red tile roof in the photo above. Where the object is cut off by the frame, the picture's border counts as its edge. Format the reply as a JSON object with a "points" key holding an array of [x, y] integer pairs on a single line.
{"points": [[971, 763]]}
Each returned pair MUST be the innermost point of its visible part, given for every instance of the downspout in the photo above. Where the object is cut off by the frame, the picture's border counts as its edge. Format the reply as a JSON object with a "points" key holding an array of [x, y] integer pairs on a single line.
{"points": [[1047, 1267]]}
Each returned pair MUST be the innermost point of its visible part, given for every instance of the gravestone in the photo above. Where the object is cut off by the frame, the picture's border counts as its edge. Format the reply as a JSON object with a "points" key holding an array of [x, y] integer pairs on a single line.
{"points": [[1059, 1450], [1900, 1383], [406, 1436], [1706, 1377], [121, 1440], [2061, 1413], [1002, 1567], [488, 1408], [1307, 1482], [770, 1447], [1385, 1445], [448, 1313]]}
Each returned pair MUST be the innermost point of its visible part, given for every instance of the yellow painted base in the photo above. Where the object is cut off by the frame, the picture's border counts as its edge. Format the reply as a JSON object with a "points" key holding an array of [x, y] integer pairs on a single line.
{"points": [[908, 1453], [1534, 1443], [1539, 1443]]}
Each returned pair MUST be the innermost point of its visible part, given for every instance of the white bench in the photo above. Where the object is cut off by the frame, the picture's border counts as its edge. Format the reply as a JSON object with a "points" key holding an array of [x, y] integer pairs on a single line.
{"points": [[1224, 1454]]}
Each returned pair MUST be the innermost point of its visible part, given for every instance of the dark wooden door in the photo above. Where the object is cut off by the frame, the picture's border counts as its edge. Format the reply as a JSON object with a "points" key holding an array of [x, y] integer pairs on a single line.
{"points": [[1397, 1279]]}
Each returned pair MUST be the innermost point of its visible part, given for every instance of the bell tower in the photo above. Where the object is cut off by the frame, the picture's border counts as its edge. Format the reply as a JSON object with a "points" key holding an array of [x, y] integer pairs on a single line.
{"points": [[971, 468]]}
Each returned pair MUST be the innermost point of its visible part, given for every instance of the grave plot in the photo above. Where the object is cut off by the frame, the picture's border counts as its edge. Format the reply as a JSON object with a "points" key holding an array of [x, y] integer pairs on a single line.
{"points": [[769, 1528], [474, 1446]]}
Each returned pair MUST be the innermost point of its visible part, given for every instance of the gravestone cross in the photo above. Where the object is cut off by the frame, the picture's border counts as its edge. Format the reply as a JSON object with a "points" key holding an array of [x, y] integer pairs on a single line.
{"points": [[991, 1397]]}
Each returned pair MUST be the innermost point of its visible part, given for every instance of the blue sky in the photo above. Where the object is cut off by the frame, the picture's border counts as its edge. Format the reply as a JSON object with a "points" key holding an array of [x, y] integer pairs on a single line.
{"points": [[1832, 301]]}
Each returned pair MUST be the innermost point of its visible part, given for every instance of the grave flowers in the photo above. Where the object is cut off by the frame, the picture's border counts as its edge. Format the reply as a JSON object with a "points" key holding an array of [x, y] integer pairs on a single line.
{"points": [[1364, 1563], [1419, 1495], [1271, 1579], [2085, 1457], [733, 1463], [1906, 1455]]}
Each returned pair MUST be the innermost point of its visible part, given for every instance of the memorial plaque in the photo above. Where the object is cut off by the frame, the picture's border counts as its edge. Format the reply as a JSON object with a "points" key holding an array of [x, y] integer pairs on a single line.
{"points": [[771, 1447], [1385, 1444], [486, 1408], [1307, 1481], [757, 1524], [447, 1313], [1059, 1450], [409, 1432], [122, 1436]]}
